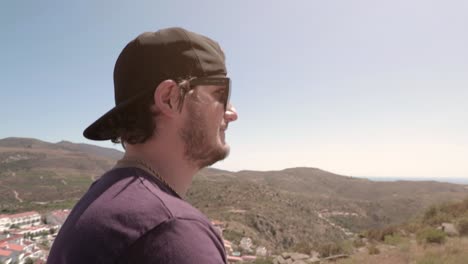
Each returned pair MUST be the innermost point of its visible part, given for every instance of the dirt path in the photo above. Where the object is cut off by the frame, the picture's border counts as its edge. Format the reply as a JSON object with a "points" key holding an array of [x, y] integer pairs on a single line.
{"points": [[17, 196], [342, 229]]}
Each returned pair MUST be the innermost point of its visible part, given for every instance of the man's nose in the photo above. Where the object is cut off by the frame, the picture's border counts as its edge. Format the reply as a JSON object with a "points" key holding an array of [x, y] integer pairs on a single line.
{"points": [[230, 114]]}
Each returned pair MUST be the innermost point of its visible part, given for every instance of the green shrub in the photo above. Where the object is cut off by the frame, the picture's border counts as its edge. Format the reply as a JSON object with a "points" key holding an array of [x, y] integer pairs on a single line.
{"points": [[379, 234], [394, 239], [347, 247], [432, 235], [373, 250], [302, 247], [232, 235], [28, 261], [446, 212], [357, 243], [455, 209], [412, 227], [434, 216], [330, 249], [463, 226], [373, 234]]}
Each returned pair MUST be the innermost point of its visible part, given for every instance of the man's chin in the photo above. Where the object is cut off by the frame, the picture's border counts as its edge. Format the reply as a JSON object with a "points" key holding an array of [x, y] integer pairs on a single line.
{"points": [[214, 156]]}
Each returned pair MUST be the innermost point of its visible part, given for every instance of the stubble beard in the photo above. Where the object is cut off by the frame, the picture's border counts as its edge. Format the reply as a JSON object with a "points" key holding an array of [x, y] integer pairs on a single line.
{"points": [[199, 149]]}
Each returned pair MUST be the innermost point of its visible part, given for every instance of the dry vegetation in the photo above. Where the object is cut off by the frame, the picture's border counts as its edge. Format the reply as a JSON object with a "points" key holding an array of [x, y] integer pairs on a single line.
{"points": [[454, 251], [280, 209], [419, 241]]}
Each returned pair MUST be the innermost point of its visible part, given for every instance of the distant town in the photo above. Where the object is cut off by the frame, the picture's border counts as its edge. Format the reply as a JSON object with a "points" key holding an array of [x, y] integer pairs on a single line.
{"points": [[26, 238]]}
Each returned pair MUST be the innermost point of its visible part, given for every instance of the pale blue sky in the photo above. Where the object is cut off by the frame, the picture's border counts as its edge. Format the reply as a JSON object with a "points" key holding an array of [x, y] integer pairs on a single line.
{"points": [[361, 88]]}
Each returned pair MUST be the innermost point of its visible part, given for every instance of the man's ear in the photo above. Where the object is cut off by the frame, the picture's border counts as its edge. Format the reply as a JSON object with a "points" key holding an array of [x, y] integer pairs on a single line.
{"points": [[166, 97]]}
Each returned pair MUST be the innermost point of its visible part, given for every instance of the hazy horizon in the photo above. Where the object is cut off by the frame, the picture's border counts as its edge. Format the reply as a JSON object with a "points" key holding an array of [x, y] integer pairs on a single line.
{"points": [[449, 179]]}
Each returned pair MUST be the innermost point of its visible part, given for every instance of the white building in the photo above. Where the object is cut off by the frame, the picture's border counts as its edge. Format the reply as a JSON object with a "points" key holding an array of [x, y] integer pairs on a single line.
{"points": [[33, 230], [246, 244], [26, 219], [261, 251]]}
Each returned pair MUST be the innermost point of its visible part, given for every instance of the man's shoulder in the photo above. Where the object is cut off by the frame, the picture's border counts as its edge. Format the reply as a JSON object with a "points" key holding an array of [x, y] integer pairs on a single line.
{"points": [[178, 240], [136, 194]]}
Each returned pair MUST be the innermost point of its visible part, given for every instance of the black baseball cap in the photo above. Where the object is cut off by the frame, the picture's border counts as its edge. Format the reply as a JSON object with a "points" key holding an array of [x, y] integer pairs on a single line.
{"points": [[149, 59]]}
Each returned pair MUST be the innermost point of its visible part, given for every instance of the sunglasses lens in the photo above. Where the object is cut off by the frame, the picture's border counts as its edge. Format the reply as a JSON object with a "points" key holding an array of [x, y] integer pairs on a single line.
{"points": [[226, 82]]}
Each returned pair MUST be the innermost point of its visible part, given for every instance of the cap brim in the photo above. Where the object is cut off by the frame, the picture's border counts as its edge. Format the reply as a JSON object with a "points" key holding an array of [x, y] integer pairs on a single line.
{"points": [[105, 128]]}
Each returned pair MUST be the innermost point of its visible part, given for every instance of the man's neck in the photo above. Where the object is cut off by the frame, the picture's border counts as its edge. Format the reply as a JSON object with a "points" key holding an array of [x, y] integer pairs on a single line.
{"points": [[167, 160]]}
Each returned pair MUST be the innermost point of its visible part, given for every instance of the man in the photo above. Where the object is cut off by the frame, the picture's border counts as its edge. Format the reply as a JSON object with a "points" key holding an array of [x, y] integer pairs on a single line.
{"points": [[172, 111]]}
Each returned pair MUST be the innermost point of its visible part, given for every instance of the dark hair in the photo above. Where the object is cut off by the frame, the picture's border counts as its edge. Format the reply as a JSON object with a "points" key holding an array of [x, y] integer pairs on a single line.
{"points": [[137, 122]]}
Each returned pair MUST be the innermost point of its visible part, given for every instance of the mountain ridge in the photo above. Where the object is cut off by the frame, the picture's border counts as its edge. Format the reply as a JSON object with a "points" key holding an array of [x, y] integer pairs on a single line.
{"points": [[277, 209]]}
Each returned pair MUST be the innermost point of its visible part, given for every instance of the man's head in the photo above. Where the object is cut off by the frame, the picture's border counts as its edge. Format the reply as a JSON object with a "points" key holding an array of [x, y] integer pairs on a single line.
{"points": [[172, 59]]}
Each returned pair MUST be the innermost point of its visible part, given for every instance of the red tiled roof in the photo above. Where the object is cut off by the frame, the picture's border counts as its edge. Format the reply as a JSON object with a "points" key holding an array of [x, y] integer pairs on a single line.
{"points": [[234, 259], [5, 253], [61, 212], [14, 247], [13, 237]]}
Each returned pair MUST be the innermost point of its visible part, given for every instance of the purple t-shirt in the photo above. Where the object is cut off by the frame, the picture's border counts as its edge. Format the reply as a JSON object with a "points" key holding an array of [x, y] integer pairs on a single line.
{"points": [[129, 216]]}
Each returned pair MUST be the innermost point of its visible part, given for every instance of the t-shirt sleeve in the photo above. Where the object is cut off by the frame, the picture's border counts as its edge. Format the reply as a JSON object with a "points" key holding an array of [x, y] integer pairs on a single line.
{"points": [[180, 241]]}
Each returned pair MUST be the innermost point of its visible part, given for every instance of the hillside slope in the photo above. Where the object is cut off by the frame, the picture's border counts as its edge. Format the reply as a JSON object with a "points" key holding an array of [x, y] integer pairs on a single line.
{"points": [[278, 209]]}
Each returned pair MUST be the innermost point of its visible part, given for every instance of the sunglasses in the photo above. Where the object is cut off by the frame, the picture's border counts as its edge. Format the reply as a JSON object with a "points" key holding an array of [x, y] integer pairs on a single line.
{"points": [[226, 82]]}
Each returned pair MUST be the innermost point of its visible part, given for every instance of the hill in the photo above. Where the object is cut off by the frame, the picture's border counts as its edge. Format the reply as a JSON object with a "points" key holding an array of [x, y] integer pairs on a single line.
{"points": [[34, 172], [277, 209], [285, 208]]}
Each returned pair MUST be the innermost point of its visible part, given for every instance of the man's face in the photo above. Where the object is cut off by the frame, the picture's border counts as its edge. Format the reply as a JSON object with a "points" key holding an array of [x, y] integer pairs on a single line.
{"points": [[203, 130]]}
